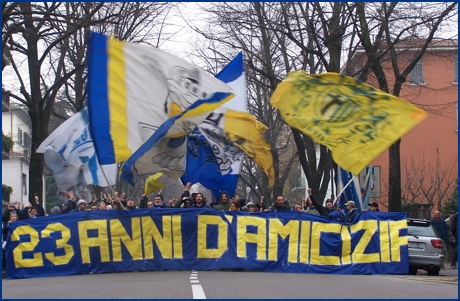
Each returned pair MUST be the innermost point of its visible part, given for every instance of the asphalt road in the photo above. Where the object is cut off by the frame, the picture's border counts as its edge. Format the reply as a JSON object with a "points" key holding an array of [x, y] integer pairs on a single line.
{"points": [[234, 285]]}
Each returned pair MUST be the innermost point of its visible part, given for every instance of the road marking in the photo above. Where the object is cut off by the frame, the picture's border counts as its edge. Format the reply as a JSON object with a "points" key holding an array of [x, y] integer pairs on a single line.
{"points": [[197, 289], [198, 292]]}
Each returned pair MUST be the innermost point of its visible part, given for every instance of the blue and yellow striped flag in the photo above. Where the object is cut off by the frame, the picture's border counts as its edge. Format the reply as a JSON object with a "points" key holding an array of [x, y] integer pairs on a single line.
{"points": [[135, 90], [354, 120]]}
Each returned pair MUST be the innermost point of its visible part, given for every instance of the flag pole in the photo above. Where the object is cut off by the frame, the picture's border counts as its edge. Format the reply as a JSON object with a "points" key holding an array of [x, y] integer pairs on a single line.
{"points": [[343, 189], [110, 185]]}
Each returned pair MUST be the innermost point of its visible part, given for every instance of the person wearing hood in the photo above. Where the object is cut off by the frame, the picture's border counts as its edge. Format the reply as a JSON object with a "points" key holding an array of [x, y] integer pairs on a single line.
{"points": [[224, 203]]}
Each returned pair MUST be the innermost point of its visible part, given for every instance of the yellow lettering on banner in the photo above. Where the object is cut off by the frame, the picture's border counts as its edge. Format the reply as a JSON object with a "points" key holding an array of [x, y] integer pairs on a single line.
{"points": [[19, 261], [60, 244], [291, 229], [177, 236], [305, 241], [101, 240], [243, 237], [384, 242], [346, 244], [316, 258], [118, 235], [163, 242], [396, 240], [369, 227], [222, 236]]}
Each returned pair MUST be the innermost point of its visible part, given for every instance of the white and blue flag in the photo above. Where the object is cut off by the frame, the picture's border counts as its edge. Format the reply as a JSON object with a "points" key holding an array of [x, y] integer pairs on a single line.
{"points": [[352, 192], [212, 159], [73, 142]]}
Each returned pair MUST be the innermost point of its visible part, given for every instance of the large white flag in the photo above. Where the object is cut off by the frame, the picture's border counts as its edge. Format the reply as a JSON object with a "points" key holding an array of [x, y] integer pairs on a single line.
{"points": [[142, 103]]}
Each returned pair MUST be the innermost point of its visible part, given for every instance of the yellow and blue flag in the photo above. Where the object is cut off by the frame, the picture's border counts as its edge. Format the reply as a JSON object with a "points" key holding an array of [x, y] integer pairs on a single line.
{"points": [[142, 102], [354, 120]]}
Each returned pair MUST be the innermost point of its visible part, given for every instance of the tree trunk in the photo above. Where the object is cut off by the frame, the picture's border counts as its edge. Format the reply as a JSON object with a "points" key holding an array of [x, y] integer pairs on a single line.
{"points": [[394, 195]]}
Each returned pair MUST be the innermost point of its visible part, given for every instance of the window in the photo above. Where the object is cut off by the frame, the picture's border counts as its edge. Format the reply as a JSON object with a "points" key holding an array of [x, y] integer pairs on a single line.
{"points": [[26, 140], [455, 69], [416, 75], [24, 183], [20, 136]]}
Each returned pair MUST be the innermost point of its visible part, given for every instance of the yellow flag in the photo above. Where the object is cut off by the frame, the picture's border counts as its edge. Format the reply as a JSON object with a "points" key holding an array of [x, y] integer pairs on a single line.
{"points": [[247, 133], [152, 184], [354, 120]]}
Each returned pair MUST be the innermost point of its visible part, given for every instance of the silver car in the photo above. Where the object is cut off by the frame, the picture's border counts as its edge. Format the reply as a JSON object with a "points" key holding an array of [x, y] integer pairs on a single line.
{"points": [[426, 249]]}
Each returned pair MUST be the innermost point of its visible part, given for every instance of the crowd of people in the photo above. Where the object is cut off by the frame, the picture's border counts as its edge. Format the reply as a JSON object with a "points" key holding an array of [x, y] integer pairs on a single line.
{"points": [[446, 229], [187, 200]]}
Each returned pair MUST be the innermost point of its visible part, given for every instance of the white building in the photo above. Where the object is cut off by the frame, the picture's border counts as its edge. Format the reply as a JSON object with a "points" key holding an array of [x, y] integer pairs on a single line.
{"points": [[16, 124]]}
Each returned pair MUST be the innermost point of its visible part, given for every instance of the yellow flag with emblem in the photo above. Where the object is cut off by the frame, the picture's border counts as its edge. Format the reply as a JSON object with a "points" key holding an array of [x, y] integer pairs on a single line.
{"points": [[247, 133], [152, 184], [354, 120]]}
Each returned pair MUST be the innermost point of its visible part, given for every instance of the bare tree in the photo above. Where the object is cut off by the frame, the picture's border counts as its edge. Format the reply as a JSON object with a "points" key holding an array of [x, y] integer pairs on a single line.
{"points": [[426, 183], [49, 41], [384, 33]]}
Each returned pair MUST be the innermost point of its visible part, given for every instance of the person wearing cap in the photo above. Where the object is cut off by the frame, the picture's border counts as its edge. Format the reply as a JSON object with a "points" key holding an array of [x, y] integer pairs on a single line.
{"points": [[352, 212], [322, 210], [64, 208], [130, 204], [224, 203], [252, 207], [55, 210], [82, 205], [374, 206]]}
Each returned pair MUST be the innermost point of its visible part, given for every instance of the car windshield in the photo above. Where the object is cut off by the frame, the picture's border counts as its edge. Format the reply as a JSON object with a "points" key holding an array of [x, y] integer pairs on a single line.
{"points": [[421, 229]]}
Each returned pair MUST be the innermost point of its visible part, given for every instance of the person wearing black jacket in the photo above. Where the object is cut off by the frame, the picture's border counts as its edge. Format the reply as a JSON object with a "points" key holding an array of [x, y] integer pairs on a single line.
{"points": [[279, 205], [323, 211]]}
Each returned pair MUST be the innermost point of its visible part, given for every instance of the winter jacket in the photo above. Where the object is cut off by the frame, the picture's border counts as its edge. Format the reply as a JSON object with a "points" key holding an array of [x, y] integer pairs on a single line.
{"points": [[351, 215], [442, 229], [323, 211], [284, 207], [223, 206]]}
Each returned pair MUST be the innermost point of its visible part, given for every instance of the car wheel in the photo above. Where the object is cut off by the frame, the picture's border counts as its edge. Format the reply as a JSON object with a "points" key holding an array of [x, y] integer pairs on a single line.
{"points": [[434, 271], [413, 270]]}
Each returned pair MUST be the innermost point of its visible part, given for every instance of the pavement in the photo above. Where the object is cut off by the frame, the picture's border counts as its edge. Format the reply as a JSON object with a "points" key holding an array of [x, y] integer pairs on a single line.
{"points": [[446, 275]]}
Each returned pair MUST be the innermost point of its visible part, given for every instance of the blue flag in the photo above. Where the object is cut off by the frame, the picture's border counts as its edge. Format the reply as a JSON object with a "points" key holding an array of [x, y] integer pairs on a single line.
{"points": [[352, 192], [368, 187]]}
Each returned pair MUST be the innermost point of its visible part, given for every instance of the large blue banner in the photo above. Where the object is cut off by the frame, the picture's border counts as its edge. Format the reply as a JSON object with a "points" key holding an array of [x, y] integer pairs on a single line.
{"points": [[203, 239]]}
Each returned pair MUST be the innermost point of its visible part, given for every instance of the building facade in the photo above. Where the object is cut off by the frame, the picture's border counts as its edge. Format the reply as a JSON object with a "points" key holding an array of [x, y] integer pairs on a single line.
{"points": [[16, 124], [429, 152]]}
